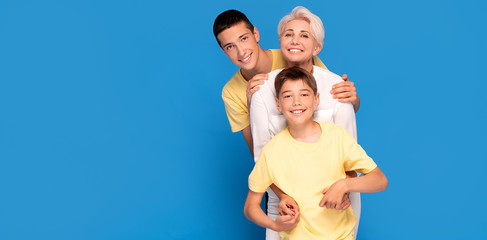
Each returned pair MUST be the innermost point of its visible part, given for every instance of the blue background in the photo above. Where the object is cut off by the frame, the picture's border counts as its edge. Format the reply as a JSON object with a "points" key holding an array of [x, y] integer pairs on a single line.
{"points": [[112, 125]]}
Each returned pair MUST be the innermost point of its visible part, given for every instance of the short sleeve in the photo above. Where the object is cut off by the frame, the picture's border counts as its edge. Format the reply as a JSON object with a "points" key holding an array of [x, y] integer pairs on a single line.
{"points": [[259, 178], [237, 111], [354, 156]]}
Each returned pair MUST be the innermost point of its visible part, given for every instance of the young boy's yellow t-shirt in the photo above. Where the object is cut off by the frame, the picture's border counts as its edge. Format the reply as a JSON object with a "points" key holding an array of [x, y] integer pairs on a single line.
{"points": [[304, 170], [234, 93]]}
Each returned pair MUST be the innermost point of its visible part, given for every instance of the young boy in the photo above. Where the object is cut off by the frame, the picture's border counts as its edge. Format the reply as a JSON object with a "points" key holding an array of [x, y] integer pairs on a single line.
{"points": [[239, 40], [308, 161]]}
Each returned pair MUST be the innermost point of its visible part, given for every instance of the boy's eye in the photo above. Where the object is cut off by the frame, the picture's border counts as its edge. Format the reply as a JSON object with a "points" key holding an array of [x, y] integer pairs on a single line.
{"points": [[286, 96], [228, 47], [304, 94], [245, 38]]}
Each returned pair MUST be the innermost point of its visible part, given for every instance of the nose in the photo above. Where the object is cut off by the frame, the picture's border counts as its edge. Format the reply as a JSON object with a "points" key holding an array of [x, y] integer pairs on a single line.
{"points": [[240, 50], [294, 40], [296, 102]]}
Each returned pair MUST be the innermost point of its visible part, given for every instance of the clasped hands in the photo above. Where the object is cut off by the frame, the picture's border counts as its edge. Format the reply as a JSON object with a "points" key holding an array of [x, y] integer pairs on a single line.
{"points": [[334, 198]]}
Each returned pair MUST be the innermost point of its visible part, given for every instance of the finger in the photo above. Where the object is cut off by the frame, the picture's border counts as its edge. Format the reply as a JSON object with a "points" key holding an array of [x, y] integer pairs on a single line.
{"points": [[322, 202], [260, 76], [279, 209], [344, 89], [254, 84], [343, 95], [343, 84], [324, 191], [293, 206], [345, 77], [345, 205], [347, 100], [288, 211], [253, 90]]}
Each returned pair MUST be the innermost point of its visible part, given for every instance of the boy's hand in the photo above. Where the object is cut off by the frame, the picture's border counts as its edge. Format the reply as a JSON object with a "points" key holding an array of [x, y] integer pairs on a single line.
{"points": [[253, 85], [287, 206], [346, 92], [335, 196], [286, 222]]}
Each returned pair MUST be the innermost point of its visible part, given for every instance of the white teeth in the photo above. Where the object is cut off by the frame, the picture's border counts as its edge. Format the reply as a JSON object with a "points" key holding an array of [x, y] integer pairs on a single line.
{"points": [[294, 50], [246, 59], [299, 111]]}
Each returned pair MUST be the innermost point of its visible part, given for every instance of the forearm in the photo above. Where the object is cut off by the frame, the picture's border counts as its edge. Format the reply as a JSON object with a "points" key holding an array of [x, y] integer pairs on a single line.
{"points": [[356, 104], [374, 181], [280, 194], [254, 213]]}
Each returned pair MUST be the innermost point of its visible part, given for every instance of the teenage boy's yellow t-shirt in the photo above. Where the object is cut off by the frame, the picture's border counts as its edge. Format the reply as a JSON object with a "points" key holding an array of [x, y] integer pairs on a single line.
{"points": [[235, 97], [304, 170]]}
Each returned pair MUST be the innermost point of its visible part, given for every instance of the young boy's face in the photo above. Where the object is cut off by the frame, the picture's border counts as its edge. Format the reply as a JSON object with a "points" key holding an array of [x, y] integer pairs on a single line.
{"points": [[297, 101], [241, 45]]}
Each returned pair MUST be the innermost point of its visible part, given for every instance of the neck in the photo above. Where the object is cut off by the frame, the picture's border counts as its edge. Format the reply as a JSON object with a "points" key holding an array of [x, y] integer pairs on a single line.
{"points": [[307, 65], [264, 65], [309, 131]]}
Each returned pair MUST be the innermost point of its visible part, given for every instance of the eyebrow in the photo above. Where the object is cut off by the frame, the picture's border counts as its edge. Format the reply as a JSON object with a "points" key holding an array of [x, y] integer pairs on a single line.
{"points": [[292, 30], [300, 90], [239, 37]]}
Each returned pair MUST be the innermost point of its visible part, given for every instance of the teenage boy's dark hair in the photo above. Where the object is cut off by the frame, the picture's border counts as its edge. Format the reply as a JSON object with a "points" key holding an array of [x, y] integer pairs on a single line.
{"points": [[294, 73], [228, 19]]}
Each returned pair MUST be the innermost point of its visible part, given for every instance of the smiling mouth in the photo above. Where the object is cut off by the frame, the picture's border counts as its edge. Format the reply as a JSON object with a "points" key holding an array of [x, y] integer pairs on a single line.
{"points": [[247, 59], [298, 111], [293, 50]]}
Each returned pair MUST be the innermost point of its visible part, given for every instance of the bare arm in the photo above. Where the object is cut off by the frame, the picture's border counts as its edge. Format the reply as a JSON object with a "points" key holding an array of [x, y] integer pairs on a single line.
{"points": [[255, 214], [374, 181], [287, 204], [247, 134]]}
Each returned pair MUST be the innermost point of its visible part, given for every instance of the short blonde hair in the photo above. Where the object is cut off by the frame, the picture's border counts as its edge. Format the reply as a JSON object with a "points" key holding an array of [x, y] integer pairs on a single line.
{"points": [[315, 23]]}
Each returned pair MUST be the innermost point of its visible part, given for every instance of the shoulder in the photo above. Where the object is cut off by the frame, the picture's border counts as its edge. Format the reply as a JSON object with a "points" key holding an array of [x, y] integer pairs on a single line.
{"points": [[277, 59], [324, 74], [235, 85], [277, 142], [332, 129], [273, 74], [267, 89]]}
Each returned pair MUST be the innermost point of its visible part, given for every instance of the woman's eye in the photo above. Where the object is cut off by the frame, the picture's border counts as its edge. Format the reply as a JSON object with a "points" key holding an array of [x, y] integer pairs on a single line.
{"points": [[305, 35], [287, 34]]}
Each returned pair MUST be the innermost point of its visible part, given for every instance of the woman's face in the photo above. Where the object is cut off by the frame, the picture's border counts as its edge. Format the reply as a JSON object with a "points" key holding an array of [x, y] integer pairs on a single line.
{"points": [[298, 46]]}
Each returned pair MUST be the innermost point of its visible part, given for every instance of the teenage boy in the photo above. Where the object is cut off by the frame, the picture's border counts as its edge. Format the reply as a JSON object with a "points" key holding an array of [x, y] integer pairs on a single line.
{"points": [[308, 161], [239, 40]]}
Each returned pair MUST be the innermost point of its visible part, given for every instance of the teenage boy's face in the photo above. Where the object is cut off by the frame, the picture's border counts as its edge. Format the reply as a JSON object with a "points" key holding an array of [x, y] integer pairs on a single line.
{"points": [[241, 45], [297, 101], [297, 43]]}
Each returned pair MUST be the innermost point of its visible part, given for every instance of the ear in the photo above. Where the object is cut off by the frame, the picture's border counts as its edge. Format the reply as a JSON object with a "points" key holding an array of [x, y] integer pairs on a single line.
{"points": [[277, 104], [317, 49], [256, 34], [317, 101]]}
